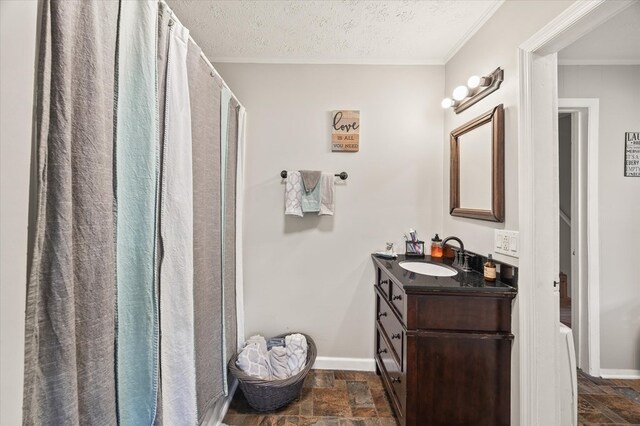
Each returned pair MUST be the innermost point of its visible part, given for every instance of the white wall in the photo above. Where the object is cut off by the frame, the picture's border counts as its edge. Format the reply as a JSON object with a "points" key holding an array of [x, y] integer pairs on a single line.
{"points": [[618, 88], [495, 45], [315, 274], [17, 55]]}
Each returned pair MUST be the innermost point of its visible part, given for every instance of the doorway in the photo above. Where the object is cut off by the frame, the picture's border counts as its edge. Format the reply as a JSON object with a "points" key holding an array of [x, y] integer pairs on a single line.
{"points": [[538, 206], [578, 232], [565, 212]]}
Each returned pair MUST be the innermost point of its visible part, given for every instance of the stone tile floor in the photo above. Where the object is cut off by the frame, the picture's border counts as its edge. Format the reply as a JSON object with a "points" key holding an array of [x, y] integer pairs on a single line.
{"points": [[329, 398], [608, 401], [350, 398]]}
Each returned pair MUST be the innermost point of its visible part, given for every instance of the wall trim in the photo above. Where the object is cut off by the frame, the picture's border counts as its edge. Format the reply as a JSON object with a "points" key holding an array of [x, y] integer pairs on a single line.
{"points": [[536, 400], [598, 62], [352, 364], [473, 30], [328, 61], [613, 373], [526, 294], [576, 20], [592, 106]]}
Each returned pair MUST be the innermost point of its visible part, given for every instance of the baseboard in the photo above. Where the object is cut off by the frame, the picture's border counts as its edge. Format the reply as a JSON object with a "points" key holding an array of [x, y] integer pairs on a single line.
{"points": [[353, 364], [611, 373], [216, 414]]}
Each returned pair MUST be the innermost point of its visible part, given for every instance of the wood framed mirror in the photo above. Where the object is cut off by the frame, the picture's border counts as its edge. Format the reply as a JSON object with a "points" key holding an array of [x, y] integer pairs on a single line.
{"points": [[477, 168]]}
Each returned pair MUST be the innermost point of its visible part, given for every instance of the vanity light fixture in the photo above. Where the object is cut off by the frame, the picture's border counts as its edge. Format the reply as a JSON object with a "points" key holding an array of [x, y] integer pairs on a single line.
{"points": [[447, 103], [460, 92], [476, 89]]}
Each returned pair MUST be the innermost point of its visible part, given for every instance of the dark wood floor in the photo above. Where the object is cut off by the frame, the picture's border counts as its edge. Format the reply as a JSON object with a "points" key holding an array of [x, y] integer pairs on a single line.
{"points": [[349, 398], [608, 401], [329, 398]]}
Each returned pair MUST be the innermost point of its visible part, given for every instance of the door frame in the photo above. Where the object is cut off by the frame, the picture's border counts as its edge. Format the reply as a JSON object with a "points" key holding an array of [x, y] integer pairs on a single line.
{"points": [[538, 204], [585, 238]]}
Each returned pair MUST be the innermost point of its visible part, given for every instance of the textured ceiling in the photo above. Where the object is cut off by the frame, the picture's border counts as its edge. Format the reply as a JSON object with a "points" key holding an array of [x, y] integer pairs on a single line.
{"points": [[617, 41], [390, 32]]}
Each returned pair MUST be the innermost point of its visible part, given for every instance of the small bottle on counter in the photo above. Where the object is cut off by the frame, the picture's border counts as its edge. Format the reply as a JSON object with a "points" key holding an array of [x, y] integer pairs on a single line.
{"points": [[490, 269], [436, 246]]}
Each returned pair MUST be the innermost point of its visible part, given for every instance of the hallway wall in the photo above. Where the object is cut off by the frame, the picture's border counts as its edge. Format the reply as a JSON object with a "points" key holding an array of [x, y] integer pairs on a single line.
{"points": [[564, 156], [618, 89]]}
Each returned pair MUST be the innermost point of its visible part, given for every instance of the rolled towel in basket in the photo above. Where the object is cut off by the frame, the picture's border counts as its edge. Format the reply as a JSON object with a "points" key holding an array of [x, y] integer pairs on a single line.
{"points": [[296, 346], [260, 340], [279, 362], [253, 358]]}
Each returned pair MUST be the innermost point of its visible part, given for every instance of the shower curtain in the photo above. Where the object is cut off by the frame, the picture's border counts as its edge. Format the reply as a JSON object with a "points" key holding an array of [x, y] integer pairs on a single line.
{"points": [[71, 296], [177, 352], [205, 89], [136, 199], [135, 255]]}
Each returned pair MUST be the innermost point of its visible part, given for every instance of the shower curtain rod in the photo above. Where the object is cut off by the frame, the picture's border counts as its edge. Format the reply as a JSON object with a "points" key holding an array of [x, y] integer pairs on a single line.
{"points": [[203, 56]]}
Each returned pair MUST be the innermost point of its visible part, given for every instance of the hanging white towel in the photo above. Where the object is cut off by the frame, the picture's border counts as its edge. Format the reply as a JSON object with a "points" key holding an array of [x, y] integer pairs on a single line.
{"points": [[293, 194], [327, 185], [176, 229]]}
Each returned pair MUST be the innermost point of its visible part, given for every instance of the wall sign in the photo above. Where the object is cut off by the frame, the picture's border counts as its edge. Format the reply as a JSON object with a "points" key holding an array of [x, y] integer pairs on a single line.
{"points": [[345, 131], [632, 154]]}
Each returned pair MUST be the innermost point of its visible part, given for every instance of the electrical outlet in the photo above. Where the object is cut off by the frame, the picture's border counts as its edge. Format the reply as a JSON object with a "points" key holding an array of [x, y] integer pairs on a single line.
{"points": [[507, 242]]}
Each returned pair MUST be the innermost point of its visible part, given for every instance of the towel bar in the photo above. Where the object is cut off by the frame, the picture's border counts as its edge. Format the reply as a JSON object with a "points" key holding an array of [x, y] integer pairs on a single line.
{"points": [[341, 175]]}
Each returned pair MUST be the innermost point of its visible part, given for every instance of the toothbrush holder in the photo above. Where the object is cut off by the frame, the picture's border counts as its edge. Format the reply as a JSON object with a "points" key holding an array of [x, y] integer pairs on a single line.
{"points": [[414, 249]]}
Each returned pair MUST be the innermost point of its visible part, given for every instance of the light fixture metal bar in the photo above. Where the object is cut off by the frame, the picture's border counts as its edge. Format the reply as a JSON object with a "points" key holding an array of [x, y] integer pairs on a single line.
{"points": [[496, 77]]}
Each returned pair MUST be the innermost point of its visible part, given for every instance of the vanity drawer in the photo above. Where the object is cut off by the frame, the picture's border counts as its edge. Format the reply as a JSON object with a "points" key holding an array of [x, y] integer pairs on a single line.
{"points": [[460, 313], [384, 282], [392, 328], [393, 377], [398, 298]]}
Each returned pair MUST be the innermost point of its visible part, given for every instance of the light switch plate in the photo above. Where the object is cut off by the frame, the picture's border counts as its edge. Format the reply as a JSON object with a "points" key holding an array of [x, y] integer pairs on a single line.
{"points": [[507, 242]]}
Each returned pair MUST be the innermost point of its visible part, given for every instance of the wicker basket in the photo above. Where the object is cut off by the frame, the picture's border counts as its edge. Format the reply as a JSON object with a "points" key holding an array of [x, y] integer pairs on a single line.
{"points": [[269, 395]]}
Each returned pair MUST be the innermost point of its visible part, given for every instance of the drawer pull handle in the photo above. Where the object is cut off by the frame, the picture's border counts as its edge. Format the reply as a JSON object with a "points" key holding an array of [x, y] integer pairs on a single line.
{"points": [[381, 314], [384, 282], [398, 297], [395, 380], [395, 336], [382, 351]]}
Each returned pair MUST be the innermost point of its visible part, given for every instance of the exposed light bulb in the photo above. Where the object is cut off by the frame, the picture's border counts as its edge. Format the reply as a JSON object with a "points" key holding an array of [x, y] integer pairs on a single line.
{"points": [[447, 103], [460, 92], [473, 82]]}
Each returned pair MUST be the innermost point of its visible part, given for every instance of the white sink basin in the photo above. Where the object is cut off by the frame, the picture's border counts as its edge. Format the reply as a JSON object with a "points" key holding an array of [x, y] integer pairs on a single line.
{"points": [[429, 269]]}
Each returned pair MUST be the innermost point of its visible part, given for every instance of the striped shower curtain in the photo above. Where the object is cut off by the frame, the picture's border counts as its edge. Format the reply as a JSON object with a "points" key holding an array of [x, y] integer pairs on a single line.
{"points": [[134, 259]]}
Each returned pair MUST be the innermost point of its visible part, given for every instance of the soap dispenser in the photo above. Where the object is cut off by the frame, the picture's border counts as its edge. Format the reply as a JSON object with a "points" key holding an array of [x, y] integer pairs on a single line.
{"points": [[436, 246]]}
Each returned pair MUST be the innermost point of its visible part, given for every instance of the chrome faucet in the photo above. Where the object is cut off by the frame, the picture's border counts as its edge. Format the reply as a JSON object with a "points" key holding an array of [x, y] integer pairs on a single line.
{"points": [[461, 258]]}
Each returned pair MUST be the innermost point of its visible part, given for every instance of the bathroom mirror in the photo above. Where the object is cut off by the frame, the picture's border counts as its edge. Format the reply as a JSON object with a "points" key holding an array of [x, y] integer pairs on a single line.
{"points": [[477, 168]]}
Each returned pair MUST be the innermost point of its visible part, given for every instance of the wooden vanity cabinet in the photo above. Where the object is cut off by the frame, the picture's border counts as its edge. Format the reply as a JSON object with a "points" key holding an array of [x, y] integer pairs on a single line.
{"points": [[444, 355]]}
